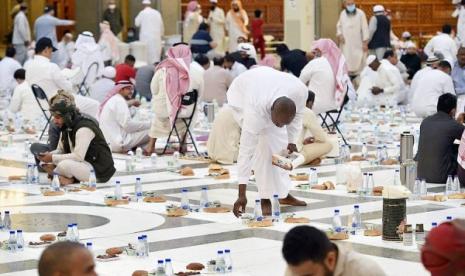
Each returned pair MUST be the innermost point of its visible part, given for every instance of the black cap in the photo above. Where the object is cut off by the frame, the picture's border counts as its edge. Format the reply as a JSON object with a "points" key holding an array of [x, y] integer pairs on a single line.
{"points": [[48, 8], [44, 43]]}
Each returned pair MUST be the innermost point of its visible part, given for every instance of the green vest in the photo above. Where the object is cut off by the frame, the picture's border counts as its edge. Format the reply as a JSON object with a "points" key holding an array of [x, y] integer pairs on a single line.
{"points": [[98, 154]]}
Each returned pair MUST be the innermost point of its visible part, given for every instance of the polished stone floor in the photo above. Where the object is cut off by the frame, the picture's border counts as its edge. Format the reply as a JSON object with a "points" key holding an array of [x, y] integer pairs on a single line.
{"points": [[197, 236]]}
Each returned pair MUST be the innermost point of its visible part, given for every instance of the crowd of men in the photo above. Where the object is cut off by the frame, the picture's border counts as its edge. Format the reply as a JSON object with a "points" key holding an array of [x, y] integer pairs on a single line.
{"points": [[270, 103]]}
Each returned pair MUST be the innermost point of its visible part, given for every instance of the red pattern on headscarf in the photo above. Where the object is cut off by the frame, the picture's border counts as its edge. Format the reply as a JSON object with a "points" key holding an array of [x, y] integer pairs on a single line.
{"points": [[118, 86]]}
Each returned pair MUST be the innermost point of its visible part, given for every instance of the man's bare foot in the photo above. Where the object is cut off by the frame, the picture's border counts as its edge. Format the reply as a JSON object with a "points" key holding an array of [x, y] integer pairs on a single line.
{"points": [[292, 201], [66, 181], [315, 162], [266, 207]]}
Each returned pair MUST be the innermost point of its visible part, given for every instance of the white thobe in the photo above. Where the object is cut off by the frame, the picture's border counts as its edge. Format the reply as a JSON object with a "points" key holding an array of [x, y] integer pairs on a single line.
{"points": [[416, 80], [151, 31], [120, 130], [85, 57], [237, 69], [234, 30], [21, 35], [65, 51], [196, 72], [8, 67], [191, 25], [99, 90], [319, 77], [24, 102], [354, 29], [431, 86], [444, 44], [251, 97], [384, 79], [216, 19], [403, 90], [460, 13]]}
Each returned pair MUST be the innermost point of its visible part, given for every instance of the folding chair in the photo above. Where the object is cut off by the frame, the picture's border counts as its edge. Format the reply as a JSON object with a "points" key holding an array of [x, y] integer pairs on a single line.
{"points": [[333, 125], [187, 100], [39, 95], [83, 86]]}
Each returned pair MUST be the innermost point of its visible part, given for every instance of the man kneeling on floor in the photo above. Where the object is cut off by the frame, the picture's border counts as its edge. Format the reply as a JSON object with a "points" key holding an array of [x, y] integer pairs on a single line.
{"points": [[82, 146], [308, 251]]}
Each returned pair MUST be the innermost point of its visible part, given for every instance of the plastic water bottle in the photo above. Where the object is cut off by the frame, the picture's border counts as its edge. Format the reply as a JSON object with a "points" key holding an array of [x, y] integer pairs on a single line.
{"points": [[20, 240], [138, 189], [89, 246], [55, 182], [313, 178], [12, 243], [257, 211], [169, 268], [416, 189], [130, 161], [364, 188], [118, 191], [423, 188], [7, 221], [146, 245], [276, 209], [70, 233], [385, 153], [76, 232], [228, 261], [29, 174], [154, 159], [456, 185], [176, 162], [92, 179], [184, 199], [396, 178], [139, 154], [449, 184], [337, 223], [140, 250], [356, 219], [364, 150], [35, 174], [160, 268], [379, 154], [220, 263], [371, 184], [203, 198], [18, 122], [1, 222]]}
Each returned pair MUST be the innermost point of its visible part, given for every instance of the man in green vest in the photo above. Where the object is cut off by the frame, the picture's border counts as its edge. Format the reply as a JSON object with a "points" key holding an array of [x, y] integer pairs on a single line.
{"points": [[82, 148]]}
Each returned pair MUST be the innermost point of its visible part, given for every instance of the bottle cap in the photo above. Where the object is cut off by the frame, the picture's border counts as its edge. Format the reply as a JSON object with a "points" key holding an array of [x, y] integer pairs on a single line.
{"points": [[12, 232], [88, 243], [204, 188], [70, 225], [227, 251], [7, 212], [257, 200], [275, 196], [184, 190], [336, 211], [167, 260], [434, 224], [356, 206], [19, 231], [160, 261], [449, 218], [220, 251], [137, 178], [140, 238], [144, 236], [75, 224], [117, 182]]}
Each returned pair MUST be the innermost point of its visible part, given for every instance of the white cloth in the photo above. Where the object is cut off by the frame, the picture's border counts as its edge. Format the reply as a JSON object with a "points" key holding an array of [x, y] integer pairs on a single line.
{"points": [[444, 44], [460, 13], [24, 102], [237, 69], [151, 31], [416, 80], [196, 72], [354, 30], [384, 79], [191, 25], [216, 19], [21, 29], [87, 53], [318, 76], [119, 129], [8, 67], [251, 97], [235, 31], [99, 90], [65, 51], [403, 90], [432, 84]]}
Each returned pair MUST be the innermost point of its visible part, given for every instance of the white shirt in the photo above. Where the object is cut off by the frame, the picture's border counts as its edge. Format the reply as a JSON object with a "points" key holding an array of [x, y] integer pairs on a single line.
{"points": [[47, 75], [24, 102], [251, 96], [8, 67], [99, 90], [433, 84], [21, 29], [444, 44], [319, 77], [116, 122], [196, 72], [65, 51], [400, 81], [417, 78], [237, 69], [388, 81]]}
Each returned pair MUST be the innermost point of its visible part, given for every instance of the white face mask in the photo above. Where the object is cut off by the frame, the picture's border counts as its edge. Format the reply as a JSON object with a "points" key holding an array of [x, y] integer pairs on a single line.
{"points": [[112, 6]]}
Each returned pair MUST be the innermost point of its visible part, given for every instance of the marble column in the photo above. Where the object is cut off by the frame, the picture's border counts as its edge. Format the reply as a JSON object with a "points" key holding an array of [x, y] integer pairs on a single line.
{"points": [[299, 23]]}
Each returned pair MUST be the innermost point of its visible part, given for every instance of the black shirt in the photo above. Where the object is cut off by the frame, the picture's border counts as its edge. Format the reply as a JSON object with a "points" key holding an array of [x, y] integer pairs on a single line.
{"points": [[294, 61], [413, 64], [437, 153]]}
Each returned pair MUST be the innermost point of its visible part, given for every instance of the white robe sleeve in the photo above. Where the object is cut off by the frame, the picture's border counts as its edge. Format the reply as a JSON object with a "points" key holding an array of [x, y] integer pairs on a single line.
{"points": [[429, 48], [294, 128], [393, 85]]}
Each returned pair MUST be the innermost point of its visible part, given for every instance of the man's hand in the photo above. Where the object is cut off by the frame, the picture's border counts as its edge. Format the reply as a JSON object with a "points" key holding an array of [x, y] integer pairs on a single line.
{"points": [[376, 90], [341, 39], [134, 103], [45, 157], [291, 148], [365, 46], [241, 202], [309, 140], [461, 118]]}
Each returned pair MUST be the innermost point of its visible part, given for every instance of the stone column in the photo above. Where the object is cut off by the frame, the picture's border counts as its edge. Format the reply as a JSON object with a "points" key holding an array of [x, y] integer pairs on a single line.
{"points": [[299, 23]]}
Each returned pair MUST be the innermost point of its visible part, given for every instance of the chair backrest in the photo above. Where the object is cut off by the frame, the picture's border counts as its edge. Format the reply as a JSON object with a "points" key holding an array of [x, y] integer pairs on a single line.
{"points": [[39, 93]]}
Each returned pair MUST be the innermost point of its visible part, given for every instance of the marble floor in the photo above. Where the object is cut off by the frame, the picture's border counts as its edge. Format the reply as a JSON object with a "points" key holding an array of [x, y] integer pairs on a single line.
{"points": [[197, 236]]}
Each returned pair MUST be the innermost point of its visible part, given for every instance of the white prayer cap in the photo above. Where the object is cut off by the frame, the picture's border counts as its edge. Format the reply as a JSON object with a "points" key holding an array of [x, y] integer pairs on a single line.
{"points": [[214, 1], [410, 44], [109, 72], [146, 2], [378, 8], [248, 48], [406, 34], [370, 59]]}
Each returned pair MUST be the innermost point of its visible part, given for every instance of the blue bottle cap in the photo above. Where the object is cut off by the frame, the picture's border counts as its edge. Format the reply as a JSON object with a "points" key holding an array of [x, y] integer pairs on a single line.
{"points": [[88, 243], [227, 251], [220, 251], [70, 225], [137, 178], [160, 261], [204, 188], [144, 236], [449, 218], [275, 196], [168, 260], [336, 211], [7, 212], [434, 224], [257, 200], [19, 231], [184, 190], [12, 232], [356, 206], [140, 238]]}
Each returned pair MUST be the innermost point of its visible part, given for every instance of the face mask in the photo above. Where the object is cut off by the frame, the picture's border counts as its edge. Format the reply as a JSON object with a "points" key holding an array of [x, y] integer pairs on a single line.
{"points": [[112, 7], [236, 9], [350, 8]]}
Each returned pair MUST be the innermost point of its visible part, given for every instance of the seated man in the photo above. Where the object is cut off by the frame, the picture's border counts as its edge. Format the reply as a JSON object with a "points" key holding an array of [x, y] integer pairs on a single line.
{"points": [[308, 251], [246, 55], [126, 71], [433, 83], [235, 68], [392, 64], [66, 258], [411, 59], [23, 100], [120, 129], [144, 76], [444, 250], [437, 153], [100, 88], [378, 85], [82, 146], [216, 82]]}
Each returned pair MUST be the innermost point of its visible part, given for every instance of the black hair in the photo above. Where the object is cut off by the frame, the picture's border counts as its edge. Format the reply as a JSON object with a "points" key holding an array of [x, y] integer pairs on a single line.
{"points": [[447, 29], [129, 58], [66, 32], [180, 43], [444, 64], [281, 49], [203, 26], [388, 54], [202, 59], [218, 61], [23, 7], [257, 13], [446, 103], [229, 58], [10, 52], [305, 243], [20, 74], [311, 96]]}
